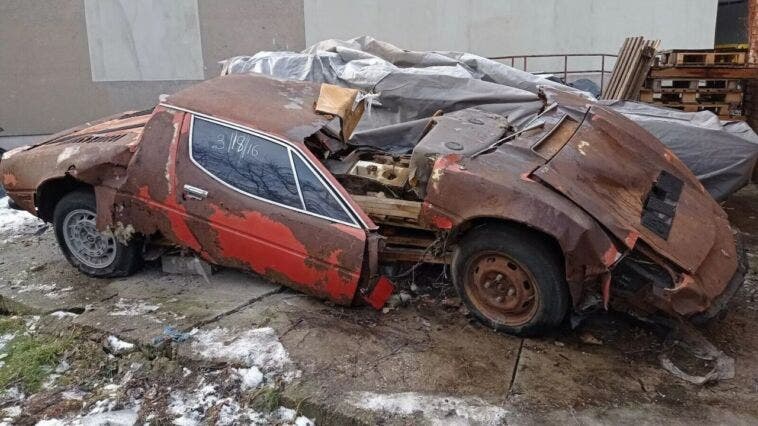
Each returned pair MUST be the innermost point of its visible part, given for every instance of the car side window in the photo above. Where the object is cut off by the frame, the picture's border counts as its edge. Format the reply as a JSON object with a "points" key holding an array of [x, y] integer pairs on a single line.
{"points": [[244, 161], [316, 197]]}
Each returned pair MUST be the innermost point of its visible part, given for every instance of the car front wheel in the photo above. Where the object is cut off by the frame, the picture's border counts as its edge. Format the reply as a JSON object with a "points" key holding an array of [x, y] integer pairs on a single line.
{"points": [[97, 254], [511, 279]]}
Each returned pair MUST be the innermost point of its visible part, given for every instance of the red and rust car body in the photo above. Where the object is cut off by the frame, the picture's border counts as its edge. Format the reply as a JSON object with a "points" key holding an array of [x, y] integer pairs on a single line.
{"points": [[627, 217]]}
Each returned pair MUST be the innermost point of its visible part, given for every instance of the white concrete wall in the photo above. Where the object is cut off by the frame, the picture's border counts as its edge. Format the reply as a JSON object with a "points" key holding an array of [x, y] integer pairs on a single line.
{"points": [[513, 27]]}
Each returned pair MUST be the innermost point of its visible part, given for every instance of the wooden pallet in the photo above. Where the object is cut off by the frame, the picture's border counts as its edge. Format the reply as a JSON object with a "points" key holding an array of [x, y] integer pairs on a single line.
{"points": [[688, 96], [704, 72], [720, 109], [659, 84], [699, 58]]}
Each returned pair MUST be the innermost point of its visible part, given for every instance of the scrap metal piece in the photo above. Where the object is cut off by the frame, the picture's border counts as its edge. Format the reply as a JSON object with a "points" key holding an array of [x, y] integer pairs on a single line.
{"points": [[691, 340]]}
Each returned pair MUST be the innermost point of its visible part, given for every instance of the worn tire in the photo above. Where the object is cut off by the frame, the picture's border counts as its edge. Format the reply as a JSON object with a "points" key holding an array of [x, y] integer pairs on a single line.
{"points": [[128, 257], [523, 252]]}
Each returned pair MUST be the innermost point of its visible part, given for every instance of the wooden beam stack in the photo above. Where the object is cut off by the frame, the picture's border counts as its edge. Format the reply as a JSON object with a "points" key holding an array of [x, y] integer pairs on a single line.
{"points": [[632, 65]]}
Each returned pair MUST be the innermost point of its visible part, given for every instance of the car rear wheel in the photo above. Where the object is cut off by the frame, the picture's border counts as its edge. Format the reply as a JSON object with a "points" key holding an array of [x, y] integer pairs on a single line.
{"points": [[511, 279], [97, 254]]}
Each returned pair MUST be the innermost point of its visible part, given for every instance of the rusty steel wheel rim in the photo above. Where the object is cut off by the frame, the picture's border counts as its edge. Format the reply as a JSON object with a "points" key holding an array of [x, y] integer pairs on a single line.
{"points": [[501, 289]]}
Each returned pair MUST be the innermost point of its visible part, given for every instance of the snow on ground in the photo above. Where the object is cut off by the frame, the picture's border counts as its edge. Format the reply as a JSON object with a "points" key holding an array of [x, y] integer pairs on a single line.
{"points": [[251, 377], [17, 222], [192, 408], [126, 417], [118, 346], [258, 347], [131, 309], [63, 314], [437, 410]]}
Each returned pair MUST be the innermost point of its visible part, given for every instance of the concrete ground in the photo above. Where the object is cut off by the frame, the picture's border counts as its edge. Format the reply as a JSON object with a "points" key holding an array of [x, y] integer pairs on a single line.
{"points": [[424, 361]]}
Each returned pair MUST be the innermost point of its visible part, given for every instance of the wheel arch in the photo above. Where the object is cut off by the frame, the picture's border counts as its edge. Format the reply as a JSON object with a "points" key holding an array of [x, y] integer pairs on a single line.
{"points": [[463, 228], [50, 192], [583, 248]]}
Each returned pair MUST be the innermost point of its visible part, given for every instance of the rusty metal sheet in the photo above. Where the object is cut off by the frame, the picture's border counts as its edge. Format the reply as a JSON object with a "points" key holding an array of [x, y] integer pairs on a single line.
{"points": [[495, 186], [610, 166], [279, 107]]}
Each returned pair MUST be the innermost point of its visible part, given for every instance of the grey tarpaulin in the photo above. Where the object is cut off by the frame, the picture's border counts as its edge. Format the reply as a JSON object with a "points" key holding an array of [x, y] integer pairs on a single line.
{"points": [[405, 87]]}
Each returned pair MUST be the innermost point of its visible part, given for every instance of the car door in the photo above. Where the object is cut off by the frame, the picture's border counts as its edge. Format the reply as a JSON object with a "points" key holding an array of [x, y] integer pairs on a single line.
{"points": [[257, 202]]}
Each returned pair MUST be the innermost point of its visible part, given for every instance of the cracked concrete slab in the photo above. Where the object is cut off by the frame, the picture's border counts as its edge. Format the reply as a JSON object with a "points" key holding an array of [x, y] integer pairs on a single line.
{"points": [[37, 280], [416, 352], [142, 305]]}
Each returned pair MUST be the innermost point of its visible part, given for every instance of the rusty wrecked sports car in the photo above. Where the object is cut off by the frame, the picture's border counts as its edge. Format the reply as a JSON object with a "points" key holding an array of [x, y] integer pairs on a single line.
{"points": [[579, 208]]}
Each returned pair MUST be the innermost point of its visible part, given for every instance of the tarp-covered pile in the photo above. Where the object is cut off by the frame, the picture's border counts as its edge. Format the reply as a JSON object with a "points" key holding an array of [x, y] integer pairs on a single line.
{"points": [[404, 88]]}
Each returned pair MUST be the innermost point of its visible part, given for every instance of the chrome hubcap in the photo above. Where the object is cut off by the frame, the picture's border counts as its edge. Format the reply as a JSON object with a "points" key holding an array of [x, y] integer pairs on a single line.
{"points": [[89, 246]]}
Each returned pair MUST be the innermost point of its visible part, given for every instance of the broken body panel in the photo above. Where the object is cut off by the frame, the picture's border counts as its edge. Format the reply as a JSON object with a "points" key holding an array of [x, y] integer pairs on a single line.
{"points": [[585, 177]]}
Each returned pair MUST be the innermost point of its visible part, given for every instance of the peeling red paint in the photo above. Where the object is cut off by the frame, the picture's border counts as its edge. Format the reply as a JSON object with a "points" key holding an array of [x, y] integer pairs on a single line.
{"points": [[611, 256], [631, 239], [442, 222], [275, 248]]}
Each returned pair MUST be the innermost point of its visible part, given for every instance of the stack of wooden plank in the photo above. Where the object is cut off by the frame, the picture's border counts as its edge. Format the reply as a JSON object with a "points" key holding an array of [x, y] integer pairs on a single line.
{"points": [[700, 80], [634, 60]]}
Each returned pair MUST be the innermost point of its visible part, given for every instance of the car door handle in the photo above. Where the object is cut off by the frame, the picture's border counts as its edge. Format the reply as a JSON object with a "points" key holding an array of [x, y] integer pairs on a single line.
{"points": [[194, 192]]}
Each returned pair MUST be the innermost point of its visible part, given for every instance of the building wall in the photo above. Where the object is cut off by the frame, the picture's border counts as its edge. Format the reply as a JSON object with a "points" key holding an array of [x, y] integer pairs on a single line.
{"points": [[47, 77], [514, 27], [69, 61]]}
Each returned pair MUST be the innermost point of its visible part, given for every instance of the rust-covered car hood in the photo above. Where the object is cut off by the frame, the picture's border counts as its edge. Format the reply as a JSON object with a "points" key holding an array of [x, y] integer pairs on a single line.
{"points": [[622, 176], [97, 153], [641, 192]]}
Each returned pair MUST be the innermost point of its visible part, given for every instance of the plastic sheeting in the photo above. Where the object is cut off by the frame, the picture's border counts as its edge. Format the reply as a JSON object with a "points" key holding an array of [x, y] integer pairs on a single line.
{"points": [[406, 87]]}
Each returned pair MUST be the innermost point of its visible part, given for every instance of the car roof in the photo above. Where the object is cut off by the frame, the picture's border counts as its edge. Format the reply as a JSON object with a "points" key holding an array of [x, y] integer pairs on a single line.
{"points": [[284, 108]]}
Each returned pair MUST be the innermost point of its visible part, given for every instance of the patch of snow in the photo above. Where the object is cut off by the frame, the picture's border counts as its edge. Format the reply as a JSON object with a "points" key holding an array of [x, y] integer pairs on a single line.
{"points": [[62, 367], [125, 417], [437, 410], [191, 407], [258, 347], [5, 339], [251, 377], [49, 382], [17, 222], [74, 394], [285, 414], [126, 308], [63, 314], [118, 346], [42, 288], [51, 422], [12, 411], [56, 294], [102, 406], [13, 393], [304, 421]]}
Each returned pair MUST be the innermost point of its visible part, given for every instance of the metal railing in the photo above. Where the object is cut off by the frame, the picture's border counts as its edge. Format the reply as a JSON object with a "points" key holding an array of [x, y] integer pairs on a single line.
{"points": [[566, 71]]}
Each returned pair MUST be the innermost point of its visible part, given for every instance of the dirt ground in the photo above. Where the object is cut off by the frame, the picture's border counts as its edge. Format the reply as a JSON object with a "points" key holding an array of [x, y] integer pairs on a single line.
{"points": [[161, 348]]}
